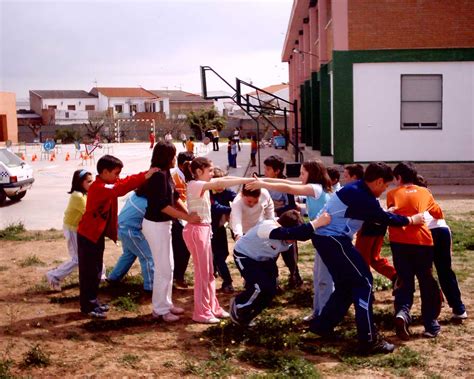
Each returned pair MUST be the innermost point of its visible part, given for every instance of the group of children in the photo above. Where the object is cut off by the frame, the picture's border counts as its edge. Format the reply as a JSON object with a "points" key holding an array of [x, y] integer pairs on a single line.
{"points": [[172, 216]]}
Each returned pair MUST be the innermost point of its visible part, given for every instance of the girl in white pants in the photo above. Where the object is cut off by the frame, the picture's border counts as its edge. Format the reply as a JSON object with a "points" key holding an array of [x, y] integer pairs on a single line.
{"points": [[81, 181]]}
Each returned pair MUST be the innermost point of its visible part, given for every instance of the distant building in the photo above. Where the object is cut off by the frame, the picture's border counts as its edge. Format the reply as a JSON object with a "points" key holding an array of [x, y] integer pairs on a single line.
{"points": [[126, 102], [63, 107], [8, 122], [181, 102], [383, 80]]}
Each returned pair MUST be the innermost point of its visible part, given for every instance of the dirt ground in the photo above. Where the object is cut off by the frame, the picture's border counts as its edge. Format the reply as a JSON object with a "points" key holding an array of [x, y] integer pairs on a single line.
{"points": [[32, 315]]}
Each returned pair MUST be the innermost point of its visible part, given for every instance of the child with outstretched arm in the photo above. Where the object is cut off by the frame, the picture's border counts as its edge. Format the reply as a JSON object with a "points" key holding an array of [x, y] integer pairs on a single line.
{"points": [[100, 221]]}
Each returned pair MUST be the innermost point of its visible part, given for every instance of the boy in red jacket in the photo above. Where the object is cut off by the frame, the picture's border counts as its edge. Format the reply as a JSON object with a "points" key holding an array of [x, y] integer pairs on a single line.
{"points": [[100, 221]]}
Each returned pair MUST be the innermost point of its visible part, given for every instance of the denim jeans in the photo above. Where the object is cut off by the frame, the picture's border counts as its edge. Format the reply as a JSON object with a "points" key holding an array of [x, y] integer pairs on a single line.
{"points": [[134, 245]]}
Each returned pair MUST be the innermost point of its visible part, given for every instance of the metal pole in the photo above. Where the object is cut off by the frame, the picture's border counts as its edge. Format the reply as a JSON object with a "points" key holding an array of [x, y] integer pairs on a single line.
{"points": [[285, 115], [297, 149], [258, 147]]}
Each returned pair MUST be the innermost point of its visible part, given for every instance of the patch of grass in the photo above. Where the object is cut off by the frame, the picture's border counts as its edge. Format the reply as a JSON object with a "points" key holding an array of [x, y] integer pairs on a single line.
{"points": [[217, 366], [381, 283], [269, 332], [299, 298], [130, 360], [5, 366], [282, 365], [31, 260], [17, 232], [463, 234], [168, 364], [126, 303], [12, 232], [63, 299], [398, 362], [39, 288], [36, 357]]}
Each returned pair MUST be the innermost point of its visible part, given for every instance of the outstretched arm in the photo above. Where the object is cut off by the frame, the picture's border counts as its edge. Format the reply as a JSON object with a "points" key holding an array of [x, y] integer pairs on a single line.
{"points": [[294, 189], [225, 183], [301, 232]]}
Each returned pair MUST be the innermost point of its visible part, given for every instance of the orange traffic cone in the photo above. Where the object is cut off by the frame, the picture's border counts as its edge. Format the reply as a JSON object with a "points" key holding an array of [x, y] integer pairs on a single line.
{"points": [[34, 158], [67, 156], [52, 158], [23, 157]]}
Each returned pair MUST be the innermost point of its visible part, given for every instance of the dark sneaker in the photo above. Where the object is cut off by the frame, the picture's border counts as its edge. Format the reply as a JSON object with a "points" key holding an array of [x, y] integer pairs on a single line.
{"points": [[379, 346], [401, 326], [97, 313], [431, 333], [295, 281], [104, 307], [228, 289]]}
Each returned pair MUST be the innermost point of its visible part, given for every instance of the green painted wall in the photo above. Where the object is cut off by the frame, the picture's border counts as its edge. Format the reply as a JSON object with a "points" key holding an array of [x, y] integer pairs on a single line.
{"points": [[302, 132], [308, 105], [343, 87], [315, 122], [325, 110]]}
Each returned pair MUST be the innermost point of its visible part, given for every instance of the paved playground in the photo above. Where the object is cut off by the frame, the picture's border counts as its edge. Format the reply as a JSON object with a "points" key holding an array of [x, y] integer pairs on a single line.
{"points": [[43, 206]]}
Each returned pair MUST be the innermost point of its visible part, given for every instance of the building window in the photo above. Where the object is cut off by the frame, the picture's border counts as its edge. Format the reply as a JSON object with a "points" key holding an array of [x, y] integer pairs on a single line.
{"points": [[421, 101], [90, 107], [71, 107], [118, 108], [52, 107], [162, 107], [133, 108]]}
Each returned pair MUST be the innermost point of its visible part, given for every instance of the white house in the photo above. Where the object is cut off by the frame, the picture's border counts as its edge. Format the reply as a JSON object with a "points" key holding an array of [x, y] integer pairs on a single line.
{"points": [[66, 107], [125, 102]]}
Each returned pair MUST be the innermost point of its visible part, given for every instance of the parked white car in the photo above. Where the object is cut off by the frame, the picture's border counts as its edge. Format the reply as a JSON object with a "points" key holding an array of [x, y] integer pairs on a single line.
{"points": [[16, 176]]}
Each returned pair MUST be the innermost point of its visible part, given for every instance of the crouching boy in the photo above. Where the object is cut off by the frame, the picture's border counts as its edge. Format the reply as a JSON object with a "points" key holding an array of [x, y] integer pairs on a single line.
{"points": [[255, 255]]}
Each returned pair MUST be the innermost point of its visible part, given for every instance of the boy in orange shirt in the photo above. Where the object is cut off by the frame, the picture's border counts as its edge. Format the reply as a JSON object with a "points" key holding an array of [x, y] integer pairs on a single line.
{"points": [[412, 249]]}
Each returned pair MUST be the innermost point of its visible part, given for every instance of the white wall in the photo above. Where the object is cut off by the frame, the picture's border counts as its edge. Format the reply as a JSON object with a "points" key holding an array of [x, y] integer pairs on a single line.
{"points": [[377, 134], [61, 104]]}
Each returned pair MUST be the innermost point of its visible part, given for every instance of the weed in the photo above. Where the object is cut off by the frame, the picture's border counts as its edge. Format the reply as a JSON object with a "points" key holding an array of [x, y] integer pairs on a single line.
{"points": [[126, 303], [12, 232], [282, 365], [217, 366], [269, 332], [36, 357], [31, 260], [63, 299], [5, 365], [130, 360], [168, 364], [381, 283], [39, 288], [398, 362]]}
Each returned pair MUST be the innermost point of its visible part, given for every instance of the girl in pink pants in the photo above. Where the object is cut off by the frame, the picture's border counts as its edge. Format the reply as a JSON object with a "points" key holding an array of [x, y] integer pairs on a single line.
{"points": [[198, 237]]}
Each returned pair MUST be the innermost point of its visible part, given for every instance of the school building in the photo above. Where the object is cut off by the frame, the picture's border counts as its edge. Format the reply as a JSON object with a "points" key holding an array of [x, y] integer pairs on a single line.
{"points": [[382, 79]]}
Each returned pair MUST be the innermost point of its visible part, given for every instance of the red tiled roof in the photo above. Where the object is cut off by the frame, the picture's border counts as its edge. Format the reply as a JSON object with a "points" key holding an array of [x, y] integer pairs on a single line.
{"points": [[272, 89], [122, 92]]}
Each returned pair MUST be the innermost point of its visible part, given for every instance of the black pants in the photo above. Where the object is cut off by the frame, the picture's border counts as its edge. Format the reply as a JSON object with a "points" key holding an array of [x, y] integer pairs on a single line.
{"points": [[180, 251], [412, 261], [446, 276], [220, 252], [90, 256], [260, 286], [215, 144]]}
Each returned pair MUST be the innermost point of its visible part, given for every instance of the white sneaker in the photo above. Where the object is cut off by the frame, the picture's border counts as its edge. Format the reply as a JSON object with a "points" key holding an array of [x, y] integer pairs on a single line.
{"points": [[223, 314], [462, 316], [308, 318], [53, 282]]}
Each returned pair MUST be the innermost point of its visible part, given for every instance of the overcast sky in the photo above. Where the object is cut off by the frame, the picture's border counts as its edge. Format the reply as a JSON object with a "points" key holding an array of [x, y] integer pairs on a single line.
{"points": [[150, 43]]}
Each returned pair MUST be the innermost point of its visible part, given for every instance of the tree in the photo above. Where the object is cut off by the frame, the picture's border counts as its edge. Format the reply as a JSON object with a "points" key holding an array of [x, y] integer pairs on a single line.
{"points": [[206, 119]]}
